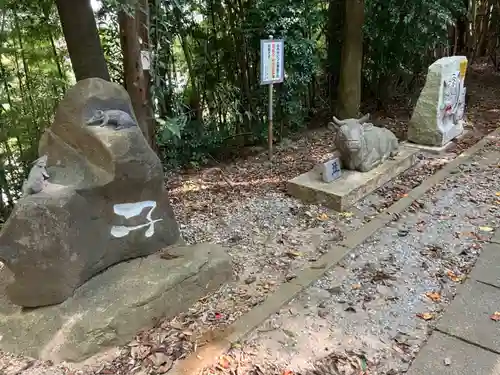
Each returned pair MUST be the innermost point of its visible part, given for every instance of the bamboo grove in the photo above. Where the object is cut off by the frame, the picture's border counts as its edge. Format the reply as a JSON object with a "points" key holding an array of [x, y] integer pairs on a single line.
{"points": [[204, 77]]}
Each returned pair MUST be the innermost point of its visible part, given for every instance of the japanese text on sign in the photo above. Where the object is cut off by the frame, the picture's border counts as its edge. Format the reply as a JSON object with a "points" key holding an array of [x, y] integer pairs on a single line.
{"points": [[271, 61]]}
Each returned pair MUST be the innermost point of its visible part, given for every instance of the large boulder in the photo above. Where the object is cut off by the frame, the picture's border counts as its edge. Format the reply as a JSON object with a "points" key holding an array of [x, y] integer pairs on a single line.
{"points": [[104, 202], [438, 115]]}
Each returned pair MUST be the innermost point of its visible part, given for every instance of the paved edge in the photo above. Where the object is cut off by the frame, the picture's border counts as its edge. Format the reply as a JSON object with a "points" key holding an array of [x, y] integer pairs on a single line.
{"points": [[463, 358], [237, 331]]}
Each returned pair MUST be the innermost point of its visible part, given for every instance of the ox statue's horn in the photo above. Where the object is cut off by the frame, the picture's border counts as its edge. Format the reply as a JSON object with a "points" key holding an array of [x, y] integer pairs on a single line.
{"points": [[364, 119], [337, 121]]}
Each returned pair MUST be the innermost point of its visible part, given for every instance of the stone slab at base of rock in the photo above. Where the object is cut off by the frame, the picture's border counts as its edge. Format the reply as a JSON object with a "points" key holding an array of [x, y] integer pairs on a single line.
{"points": [[436, 150], [352, 185], [108, 310]]}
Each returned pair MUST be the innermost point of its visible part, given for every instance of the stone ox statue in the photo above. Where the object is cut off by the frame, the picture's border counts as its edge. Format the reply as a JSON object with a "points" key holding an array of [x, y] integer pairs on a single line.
{"points": [[362, 145]]}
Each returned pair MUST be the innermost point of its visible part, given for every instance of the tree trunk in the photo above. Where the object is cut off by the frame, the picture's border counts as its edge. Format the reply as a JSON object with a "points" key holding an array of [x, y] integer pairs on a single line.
{"points": [[132, 67], [80, 31], [334, 41], [352, 57], [143, 25]]}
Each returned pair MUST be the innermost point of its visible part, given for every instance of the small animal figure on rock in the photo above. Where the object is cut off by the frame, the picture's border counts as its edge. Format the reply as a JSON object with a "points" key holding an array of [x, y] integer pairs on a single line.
{"points": [[112, 117], [36, 178], [362, 145]]}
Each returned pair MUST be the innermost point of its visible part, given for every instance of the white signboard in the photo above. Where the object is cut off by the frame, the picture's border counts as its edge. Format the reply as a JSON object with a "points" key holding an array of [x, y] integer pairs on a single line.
{"points": [[271, 61], [145, 60], [330, 171]]}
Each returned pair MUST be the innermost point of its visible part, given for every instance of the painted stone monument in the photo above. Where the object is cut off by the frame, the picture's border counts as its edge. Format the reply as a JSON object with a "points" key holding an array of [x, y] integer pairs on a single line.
{"points": [[362, 145], [94, 198], [438, 115]]}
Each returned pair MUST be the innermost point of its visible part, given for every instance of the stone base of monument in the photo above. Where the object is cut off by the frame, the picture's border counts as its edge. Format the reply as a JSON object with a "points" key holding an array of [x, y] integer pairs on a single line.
{"points": [[436, 150], [352, 186], [109, 309]]}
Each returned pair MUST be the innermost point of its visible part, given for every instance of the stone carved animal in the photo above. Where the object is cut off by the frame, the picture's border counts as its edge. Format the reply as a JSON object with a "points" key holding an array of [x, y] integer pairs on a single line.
{"points": [[113, 117], [362, 145], [36, 178]]}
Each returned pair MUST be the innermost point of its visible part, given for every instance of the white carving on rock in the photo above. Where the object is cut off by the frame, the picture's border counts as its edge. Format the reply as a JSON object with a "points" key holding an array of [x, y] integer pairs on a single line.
{"points": [[451, 104], [453, 100], [128, 210], [37, 177]]}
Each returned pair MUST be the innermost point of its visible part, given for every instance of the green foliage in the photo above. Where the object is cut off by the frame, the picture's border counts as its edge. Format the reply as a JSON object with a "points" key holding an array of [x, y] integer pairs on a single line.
{"points": [[207, 64], [400, 38], [205, 70], [34, 74]]}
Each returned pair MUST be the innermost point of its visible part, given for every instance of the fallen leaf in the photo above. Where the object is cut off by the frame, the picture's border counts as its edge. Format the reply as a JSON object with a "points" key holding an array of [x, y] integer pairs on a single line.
{"points": [[236, 345], [356, 286], [140, 351], [287, 372], [465, 234], [433, 296], [497, 193], [159, 358], [364, 365], [486, 229], [176, 325], [323, 217], [426, 316], [346, 214], [165, 368], [495, 316], [293, 254], [398, 349], [455, 277], [224, 362]]}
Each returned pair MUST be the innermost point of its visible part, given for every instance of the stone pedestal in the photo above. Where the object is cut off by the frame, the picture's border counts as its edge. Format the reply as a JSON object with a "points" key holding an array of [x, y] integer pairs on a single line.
{"points": [[438, 115], [352, 186], [108, 310]]}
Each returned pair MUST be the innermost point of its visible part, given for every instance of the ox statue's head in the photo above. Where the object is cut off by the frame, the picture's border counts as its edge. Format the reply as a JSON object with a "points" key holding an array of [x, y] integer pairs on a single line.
{"points": [[350, 131]]}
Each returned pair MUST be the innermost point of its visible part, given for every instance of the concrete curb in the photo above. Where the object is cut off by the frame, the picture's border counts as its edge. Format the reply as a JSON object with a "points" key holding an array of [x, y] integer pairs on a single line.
{"points": [[236, 332]]}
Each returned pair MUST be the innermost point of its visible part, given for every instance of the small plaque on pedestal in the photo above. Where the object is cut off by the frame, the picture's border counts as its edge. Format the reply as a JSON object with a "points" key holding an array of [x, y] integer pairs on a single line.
{"points": [[330, 170]]}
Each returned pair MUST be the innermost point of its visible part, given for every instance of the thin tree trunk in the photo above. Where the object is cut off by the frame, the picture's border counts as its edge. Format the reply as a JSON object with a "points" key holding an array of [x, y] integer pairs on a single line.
{"points": [[336, 11], [194, 100], [132, 67], [143, 25], [80, 31], [352, 57]]}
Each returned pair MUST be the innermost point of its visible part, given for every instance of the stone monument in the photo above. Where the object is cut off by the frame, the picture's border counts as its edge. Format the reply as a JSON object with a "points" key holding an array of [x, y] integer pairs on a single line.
{"points": [[104, 202], [93, 200], [438, 115]]}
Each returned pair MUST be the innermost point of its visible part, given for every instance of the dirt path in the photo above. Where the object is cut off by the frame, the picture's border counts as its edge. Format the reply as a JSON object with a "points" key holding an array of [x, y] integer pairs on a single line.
{"points": [[269, 235]]}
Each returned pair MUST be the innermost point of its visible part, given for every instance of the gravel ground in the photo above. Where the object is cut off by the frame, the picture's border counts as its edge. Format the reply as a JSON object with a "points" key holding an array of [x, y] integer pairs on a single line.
{"points": [[376, 308]]}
